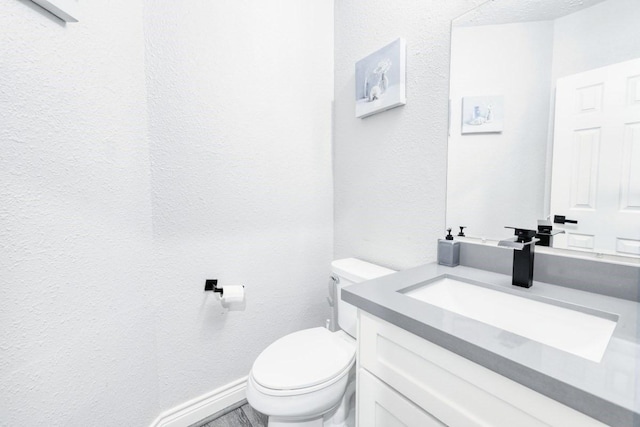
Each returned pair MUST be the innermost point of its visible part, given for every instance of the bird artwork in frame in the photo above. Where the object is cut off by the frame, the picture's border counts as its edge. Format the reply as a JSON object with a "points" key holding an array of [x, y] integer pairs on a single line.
{"points": [[381, 80], [482, 114]]}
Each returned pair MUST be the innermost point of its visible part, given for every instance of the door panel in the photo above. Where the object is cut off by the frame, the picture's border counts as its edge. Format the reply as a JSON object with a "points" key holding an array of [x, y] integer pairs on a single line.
{"points": [[596, 159]]}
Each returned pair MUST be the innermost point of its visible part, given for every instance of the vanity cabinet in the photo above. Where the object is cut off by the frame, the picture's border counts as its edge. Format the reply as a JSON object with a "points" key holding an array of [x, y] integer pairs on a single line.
{"points": [[380, 405], [405, 380]]}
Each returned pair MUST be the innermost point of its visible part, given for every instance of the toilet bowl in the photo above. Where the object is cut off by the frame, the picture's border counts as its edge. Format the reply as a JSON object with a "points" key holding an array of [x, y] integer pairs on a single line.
{"points": [[307, 378]]}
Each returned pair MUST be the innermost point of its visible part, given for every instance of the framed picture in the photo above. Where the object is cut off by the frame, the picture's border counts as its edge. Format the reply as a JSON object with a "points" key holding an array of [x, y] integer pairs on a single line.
{"points": [[482, 114], [381, 80], [67, 10]]}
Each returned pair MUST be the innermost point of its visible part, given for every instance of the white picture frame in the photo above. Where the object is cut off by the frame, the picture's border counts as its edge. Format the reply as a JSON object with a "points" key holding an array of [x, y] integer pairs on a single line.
{"points": [[482, 114], [381, 79], [67, 10]]}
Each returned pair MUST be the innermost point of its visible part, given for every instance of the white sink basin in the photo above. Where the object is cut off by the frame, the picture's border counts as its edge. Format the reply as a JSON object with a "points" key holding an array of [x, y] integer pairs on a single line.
{"points": [[582, 334]]}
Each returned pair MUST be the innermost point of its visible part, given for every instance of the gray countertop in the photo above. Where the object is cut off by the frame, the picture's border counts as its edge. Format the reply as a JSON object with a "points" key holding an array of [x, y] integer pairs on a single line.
{"points": [[608, 391]]}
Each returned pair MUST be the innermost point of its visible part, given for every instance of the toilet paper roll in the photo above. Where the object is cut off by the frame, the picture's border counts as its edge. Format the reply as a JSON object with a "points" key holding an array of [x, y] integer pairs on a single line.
{"points": [[232, 294]]}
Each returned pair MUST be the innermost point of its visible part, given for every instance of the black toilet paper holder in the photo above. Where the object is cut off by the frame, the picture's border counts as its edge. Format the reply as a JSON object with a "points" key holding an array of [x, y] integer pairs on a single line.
{"points": [[212, 285]]}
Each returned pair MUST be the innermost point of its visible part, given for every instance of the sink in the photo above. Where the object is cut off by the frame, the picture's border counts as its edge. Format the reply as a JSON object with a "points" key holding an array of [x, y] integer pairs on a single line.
{"points": [[581, 331]]}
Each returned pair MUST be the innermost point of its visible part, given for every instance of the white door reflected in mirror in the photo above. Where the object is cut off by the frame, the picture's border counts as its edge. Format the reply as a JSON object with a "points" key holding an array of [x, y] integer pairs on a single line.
{"points": [[596, 159]]}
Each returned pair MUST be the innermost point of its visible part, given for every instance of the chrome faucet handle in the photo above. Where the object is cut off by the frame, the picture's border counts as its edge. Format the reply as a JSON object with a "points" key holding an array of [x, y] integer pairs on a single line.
{"points": [[552, 233], [513, 242], [523, 237]]}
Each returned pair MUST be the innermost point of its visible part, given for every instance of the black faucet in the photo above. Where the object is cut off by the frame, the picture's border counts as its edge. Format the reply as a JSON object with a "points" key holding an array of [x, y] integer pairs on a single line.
{"points": [[523, 245], [546, 232]]}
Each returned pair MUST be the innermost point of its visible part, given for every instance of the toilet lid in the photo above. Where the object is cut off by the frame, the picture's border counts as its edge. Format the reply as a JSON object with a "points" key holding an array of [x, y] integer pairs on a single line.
{"points": [[304, 359]]}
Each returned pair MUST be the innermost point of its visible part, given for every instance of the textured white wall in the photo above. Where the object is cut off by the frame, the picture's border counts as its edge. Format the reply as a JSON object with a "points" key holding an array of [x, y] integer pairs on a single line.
{"points": [[77, 343], [497, 179], [240, 135], [390, 168], [118, 201]]}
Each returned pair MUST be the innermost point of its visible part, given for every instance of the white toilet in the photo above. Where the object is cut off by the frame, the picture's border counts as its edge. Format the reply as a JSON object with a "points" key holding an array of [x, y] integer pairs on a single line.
{"points": [[307, 378]]}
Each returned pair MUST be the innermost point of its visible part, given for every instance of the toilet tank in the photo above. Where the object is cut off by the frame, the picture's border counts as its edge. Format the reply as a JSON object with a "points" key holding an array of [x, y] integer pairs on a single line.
{"points": [[347, 272]]}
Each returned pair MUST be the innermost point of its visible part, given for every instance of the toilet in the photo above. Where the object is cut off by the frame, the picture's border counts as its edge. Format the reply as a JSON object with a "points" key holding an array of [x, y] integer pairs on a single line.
{"points": [[307, 378]]}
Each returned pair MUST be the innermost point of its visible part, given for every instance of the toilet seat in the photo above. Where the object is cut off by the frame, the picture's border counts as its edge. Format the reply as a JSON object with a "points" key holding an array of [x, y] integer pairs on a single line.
{"points": [[299, 391], [297, 405], [304, 362]]}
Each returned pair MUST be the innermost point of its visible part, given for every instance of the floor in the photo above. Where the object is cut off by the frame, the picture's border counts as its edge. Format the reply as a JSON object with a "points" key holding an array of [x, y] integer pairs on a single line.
{"points": [[244, 416]]}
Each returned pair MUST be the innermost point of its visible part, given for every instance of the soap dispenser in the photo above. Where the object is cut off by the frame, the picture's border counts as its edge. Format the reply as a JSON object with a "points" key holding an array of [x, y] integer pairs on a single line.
{"points": [[448, 251]]}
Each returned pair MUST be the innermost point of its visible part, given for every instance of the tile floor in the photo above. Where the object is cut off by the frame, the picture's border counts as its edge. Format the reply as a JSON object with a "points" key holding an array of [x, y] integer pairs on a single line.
{"points": [[244, 416]]}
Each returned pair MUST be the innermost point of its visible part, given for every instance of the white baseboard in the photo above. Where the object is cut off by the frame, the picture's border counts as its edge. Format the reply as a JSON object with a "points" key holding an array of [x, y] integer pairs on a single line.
{"points": [[204, 406]]}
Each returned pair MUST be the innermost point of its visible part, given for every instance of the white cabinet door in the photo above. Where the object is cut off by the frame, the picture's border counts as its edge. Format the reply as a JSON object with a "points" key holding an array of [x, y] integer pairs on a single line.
{"points": [[381, 406], [458, 392], [596, 159]]}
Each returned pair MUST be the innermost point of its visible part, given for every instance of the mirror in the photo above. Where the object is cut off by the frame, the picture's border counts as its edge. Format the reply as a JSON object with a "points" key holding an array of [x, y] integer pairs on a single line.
{"points": [[532, 132]]}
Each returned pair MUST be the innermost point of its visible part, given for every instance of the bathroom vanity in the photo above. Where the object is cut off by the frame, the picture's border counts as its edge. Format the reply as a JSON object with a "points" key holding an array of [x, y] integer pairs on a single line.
{"points": [[420, 364]]}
